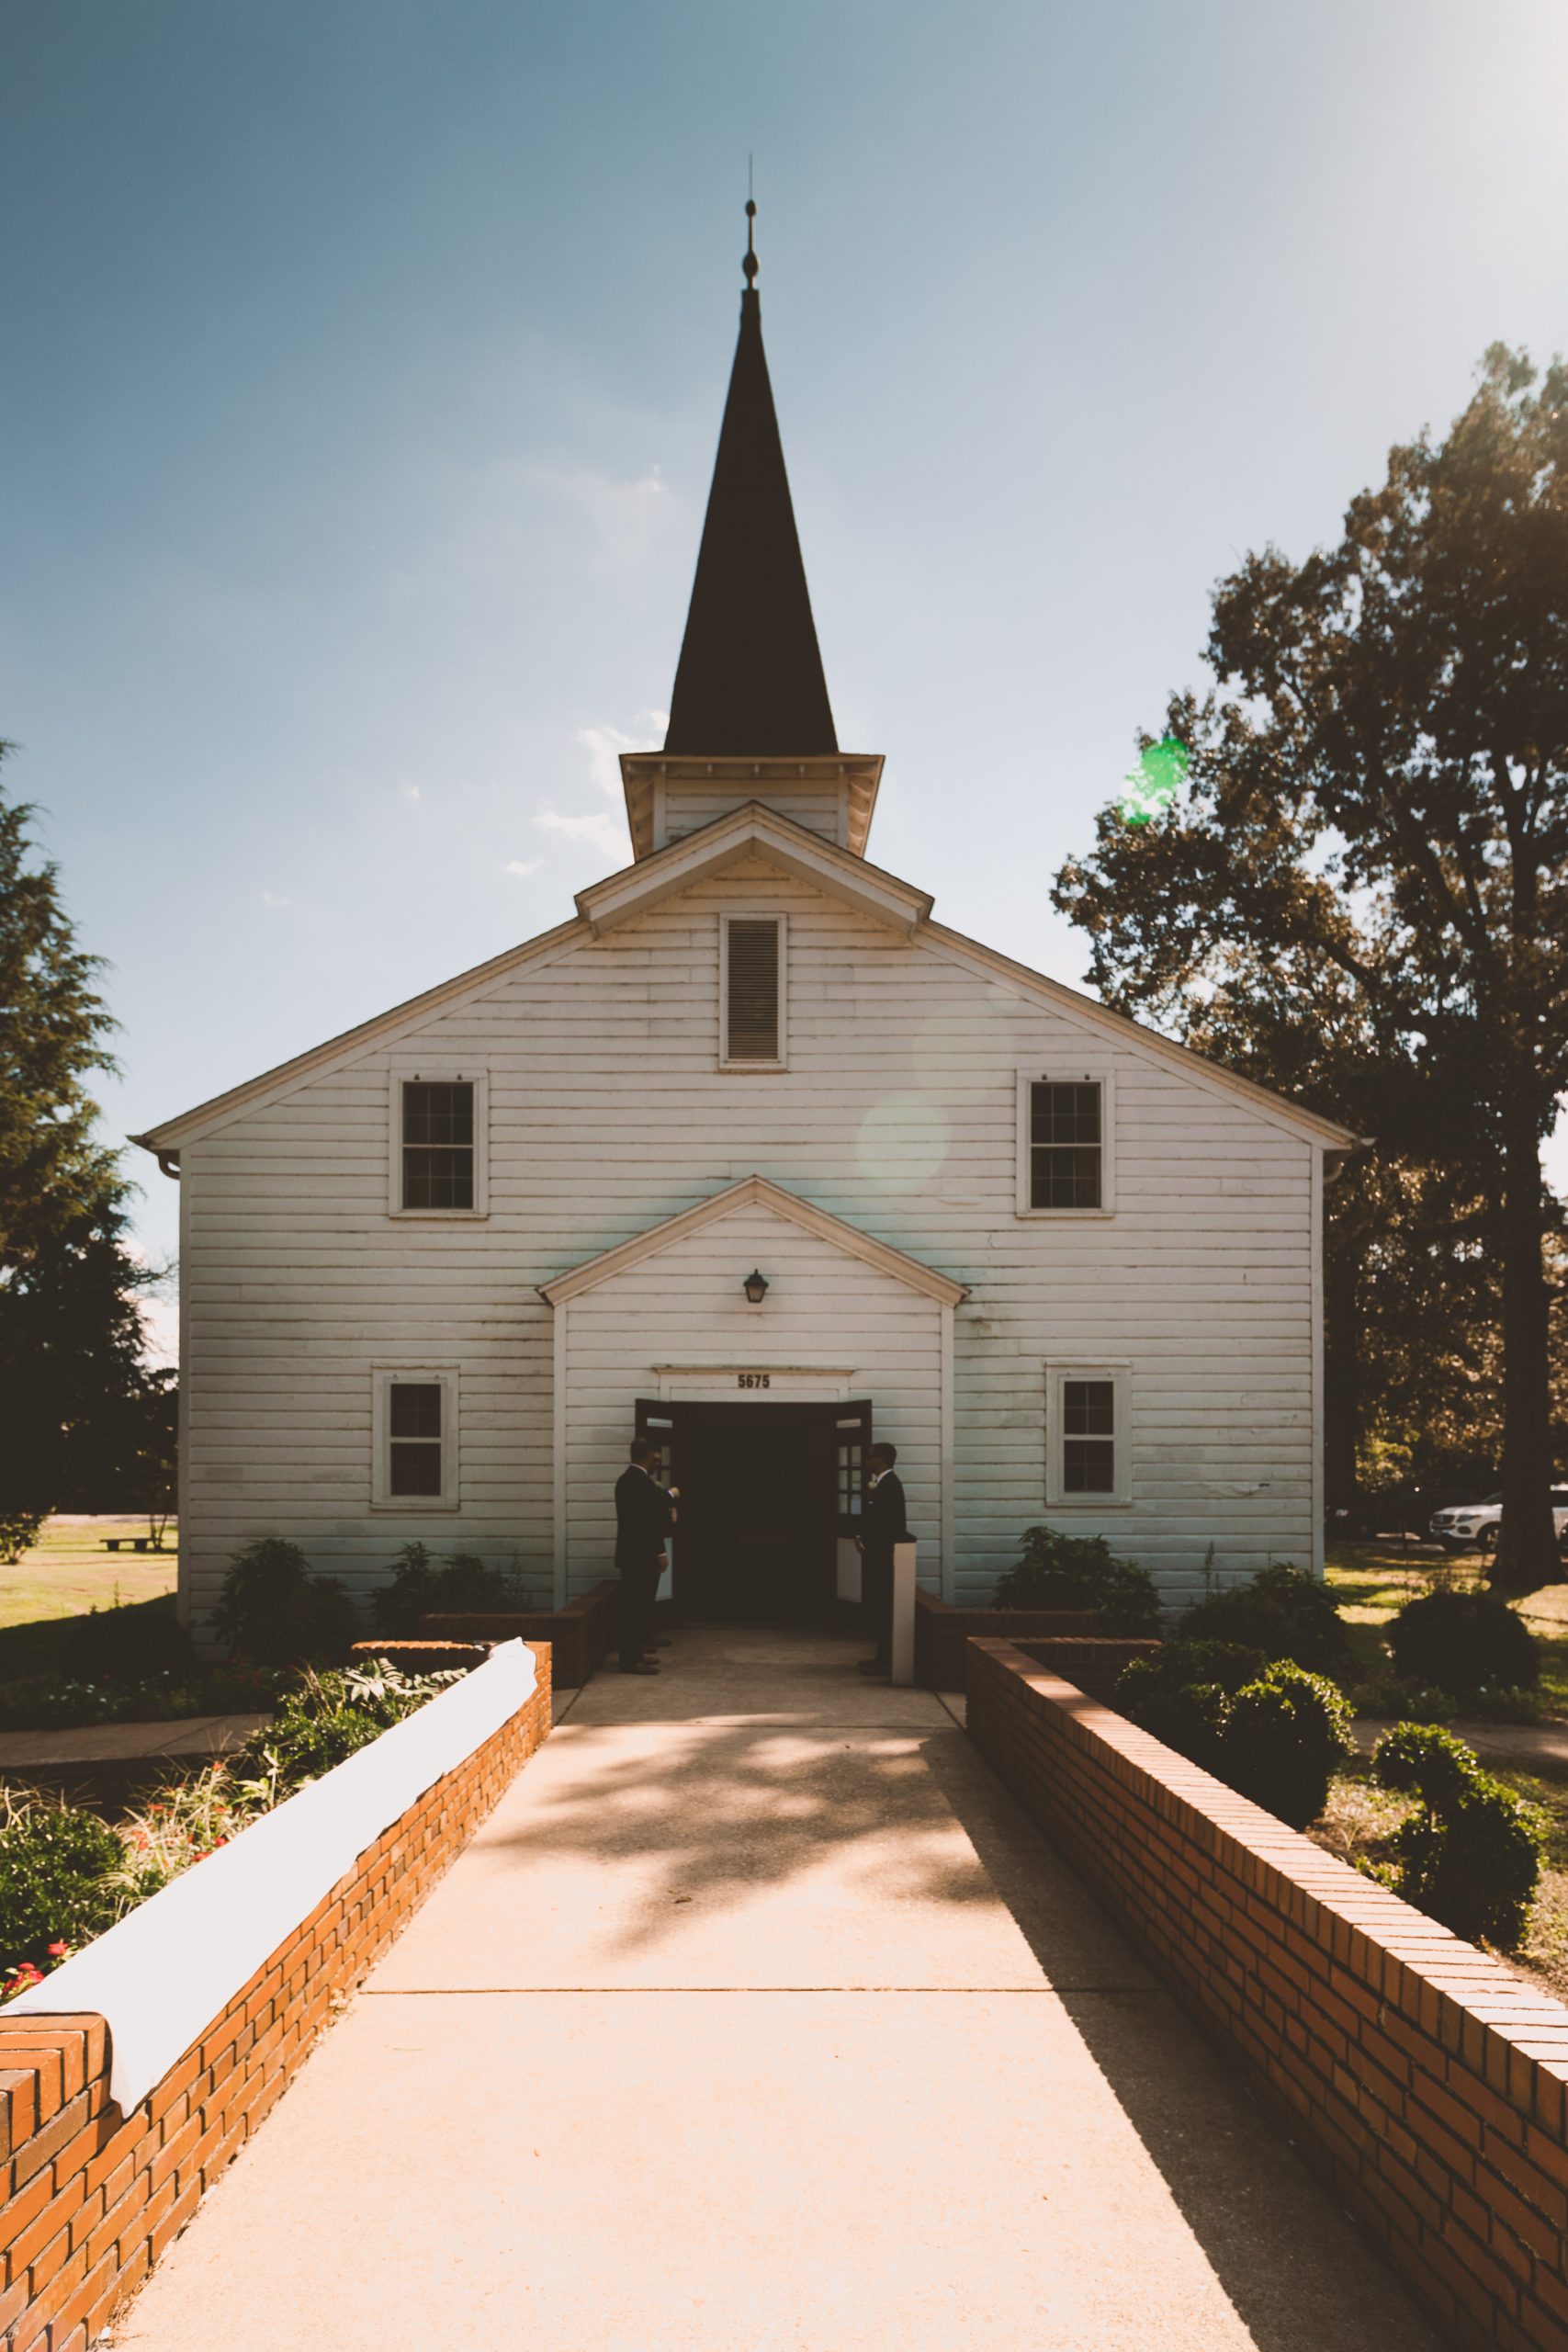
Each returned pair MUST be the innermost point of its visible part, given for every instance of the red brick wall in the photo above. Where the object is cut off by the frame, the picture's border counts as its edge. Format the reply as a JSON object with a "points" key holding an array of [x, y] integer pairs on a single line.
{"points": [[942, 1630], [93, 2196], [580, 1634], [1428, 2082]]}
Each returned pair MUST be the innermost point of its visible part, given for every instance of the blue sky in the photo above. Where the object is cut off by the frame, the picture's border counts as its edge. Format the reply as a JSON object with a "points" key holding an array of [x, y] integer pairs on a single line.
{"points": [[365, 362]]}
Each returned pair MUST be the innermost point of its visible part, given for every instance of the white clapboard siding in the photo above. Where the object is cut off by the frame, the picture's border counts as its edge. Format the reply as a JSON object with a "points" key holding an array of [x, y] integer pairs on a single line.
{"points": [[608, 1113], [688, 805]]}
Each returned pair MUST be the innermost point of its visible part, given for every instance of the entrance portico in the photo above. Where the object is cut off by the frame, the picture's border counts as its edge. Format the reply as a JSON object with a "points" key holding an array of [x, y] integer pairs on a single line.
{"points": [[846, 1321]]}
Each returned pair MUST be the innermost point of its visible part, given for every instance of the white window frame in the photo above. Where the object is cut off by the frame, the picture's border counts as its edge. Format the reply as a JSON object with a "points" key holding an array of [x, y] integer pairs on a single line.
{"points": [[437, 1071], [385, 1377], [1068, 1073], [1119, 1371], [759, 914]]}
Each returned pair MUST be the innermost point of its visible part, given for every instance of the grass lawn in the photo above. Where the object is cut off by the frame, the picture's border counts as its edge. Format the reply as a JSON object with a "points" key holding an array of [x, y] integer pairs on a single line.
{"points": [[66, 1573]]}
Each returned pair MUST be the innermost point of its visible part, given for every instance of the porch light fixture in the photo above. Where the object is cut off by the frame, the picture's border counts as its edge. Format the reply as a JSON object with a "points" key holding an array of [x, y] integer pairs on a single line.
{"points": [[755, 1287]]}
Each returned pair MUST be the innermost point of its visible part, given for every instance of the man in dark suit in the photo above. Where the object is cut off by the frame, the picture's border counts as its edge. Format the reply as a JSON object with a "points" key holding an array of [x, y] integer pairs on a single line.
{"points": [[883, 1525], [644, 1516]]}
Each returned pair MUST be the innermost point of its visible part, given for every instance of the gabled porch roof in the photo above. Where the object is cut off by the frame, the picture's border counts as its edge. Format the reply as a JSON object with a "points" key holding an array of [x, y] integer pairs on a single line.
{"points": [[755, 1190]]}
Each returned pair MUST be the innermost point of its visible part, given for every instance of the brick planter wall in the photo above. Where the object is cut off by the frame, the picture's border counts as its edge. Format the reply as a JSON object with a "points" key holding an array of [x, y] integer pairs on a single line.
{"points": [[943, 1632], [421, 1657], [580, 1636], [1093, 1662], [1428, 2082], [91, 2197]]}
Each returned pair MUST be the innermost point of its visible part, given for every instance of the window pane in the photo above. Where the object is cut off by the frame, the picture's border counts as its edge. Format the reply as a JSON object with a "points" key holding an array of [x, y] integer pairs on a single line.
{"points": [[751, 1032], [1087, 1467], [1065, 1177], [439, 1114], [1064, 1113], [416, 1469], [441, 1178], [1089, 1407], [416, 1409]]}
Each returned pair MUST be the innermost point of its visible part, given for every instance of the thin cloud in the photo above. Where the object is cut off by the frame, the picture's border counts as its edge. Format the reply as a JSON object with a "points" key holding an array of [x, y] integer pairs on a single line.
{"points": [[604, 745], [410, 793], [523, 866], [602, 832]]}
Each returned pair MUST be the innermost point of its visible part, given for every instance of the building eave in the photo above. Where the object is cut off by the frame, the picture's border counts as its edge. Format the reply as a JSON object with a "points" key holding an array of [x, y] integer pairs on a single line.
{"points": [[859, 773], [754, 1191], [168, 1136], [796, 848]]}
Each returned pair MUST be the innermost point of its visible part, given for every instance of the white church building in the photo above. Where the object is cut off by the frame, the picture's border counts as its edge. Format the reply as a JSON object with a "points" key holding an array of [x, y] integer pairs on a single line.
{"points": [[753, 1153]]}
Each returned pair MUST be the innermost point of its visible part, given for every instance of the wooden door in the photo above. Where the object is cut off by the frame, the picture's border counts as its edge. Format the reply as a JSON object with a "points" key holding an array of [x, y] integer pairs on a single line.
{"points": [[851, 1433]]}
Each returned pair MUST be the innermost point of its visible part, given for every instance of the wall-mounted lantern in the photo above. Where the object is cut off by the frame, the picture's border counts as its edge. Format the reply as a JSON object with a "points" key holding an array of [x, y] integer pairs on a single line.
{"points": [[755, 1287]]}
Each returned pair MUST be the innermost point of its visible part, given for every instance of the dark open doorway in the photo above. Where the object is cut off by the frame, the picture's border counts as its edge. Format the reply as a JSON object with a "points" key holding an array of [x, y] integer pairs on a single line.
{"points": [[765, 1492]]}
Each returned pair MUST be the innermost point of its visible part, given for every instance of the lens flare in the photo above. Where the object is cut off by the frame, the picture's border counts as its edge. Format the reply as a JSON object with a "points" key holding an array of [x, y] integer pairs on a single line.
{"points": [[1154, 783]]}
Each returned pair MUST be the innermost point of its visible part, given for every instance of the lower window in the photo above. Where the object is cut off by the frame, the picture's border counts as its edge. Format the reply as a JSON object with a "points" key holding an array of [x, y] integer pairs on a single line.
{"points": [[1087, 1437], [416, 1438]]}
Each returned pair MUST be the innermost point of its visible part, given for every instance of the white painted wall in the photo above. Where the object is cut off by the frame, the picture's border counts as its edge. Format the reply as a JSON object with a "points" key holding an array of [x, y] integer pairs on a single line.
{"points": [[608, 1112], [682, 806]]}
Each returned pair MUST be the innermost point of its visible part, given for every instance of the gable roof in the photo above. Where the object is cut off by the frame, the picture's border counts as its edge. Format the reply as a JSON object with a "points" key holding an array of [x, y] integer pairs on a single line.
{"points": [[762, 1193], [839, 872]]}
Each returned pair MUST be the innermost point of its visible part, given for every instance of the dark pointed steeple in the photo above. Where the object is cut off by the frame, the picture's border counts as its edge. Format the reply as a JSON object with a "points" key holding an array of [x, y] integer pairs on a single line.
{"points": [[750, 679]]}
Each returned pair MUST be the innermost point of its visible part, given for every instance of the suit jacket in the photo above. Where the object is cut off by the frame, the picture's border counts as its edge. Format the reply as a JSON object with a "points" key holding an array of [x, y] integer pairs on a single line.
{"points": [[644, 1516], [883, 1522]]}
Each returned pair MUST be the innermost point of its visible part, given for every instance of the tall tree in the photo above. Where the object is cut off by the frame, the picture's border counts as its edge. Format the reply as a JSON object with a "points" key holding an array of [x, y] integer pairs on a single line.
{"points": [[1365, 895], [80, 1404]]}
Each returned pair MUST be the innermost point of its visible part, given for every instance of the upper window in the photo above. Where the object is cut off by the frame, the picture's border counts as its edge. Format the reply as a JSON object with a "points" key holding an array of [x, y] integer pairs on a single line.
{"points": [[752, 982], [1087, 1435], [438, 1144], [1064, 1143], [415, 1439]]}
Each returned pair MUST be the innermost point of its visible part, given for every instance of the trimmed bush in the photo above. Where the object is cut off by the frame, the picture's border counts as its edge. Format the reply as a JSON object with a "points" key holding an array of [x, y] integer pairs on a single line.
{"points": [[1281, 1611], [1285, 1736], [421, 1587], [1472, 1857], [1183, 1694], [1057, 1571], [1464, 1640], [1273, 1732], [275, 1612], [60, 1885]]}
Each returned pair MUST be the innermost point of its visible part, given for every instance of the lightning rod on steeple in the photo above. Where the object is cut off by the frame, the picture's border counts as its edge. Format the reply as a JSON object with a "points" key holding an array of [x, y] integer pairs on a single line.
{"points": [[750, 265]]}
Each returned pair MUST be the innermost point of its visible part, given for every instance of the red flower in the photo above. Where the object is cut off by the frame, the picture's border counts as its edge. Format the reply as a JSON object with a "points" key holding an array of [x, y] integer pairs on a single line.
{"points": [[60, 1950]]}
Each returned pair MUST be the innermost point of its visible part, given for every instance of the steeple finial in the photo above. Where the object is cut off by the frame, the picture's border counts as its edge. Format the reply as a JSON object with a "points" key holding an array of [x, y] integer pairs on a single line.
{"points": [[751, 264]]}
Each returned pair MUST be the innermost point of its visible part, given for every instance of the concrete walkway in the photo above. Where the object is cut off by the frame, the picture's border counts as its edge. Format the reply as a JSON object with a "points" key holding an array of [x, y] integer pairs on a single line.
{"points": [[757, 2020], [185, 1737]]}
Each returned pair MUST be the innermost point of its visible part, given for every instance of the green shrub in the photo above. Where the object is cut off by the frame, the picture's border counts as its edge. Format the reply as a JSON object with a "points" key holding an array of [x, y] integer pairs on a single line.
{"points": [[324, 1718], [60, 1883], [422, 1588], [18, 1534], [1274, 1732], [1399, 1701], [1472, 1856], [1057, 1571], [1285, 1736], [1281, 1611], [1182, 1695], [275, 1612], [1464, 1640]]}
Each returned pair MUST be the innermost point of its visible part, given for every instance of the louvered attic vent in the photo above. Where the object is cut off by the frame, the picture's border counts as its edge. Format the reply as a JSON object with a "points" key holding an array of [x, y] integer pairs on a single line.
{"points": [[752, 992]]}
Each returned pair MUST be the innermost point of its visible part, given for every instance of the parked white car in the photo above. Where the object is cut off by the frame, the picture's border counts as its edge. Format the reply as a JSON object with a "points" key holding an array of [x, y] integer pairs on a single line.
{"points": [[1472, 1527]]}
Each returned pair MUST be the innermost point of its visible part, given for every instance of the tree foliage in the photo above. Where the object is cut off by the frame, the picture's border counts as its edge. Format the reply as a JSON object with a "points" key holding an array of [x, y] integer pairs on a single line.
{"points": [[1362, 900], [86, 1422]]}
